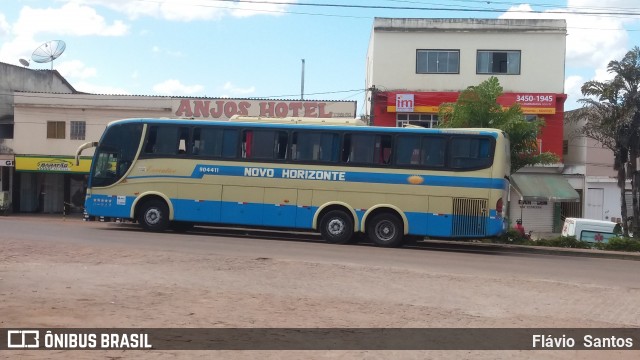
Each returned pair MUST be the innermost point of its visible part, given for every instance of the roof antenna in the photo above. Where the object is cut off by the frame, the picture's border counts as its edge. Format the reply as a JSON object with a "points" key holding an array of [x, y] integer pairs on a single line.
{"points": [[48, 52]]}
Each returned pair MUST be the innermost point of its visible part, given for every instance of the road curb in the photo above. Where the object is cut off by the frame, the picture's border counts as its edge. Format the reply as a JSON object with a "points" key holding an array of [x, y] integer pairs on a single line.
{"points": [[546, 250]]}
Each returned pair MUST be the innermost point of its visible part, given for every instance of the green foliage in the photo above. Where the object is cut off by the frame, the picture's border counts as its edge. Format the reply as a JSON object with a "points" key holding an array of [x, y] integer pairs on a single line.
{"points": [[619, 244], [564, 242], [512, 236], [477, 107]]}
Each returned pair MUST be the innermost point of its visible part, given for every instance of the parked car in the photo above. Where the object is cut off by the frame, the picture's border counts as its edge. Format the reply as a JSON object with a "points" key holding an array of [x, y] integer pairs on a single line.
{"points": [[590, 230]]}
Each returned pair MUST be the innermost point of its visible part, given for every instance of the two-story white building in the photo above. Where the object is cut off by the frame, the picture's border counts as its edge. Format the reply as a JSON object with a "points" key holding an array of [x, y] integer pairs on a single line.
{"points": [[414, 65]]}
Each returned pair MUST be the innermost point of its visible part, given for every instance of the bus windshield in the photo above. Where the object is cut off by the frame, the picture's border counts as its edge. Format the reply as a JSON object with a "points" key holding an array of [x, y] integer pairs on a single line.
{"points": [[115, 154]]}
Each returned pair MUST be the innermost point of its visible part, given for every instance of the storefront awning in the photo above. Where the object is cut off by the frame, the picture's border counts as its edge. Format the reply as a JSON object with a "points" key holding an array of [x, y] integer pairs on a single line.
{"points": [[543, 187]]}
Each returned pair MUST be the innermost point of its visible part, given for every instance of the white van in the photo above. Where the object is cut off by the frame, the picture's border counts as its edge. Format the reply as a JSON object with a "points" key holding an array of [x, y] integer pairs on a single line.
{"points": [[590, 230]]}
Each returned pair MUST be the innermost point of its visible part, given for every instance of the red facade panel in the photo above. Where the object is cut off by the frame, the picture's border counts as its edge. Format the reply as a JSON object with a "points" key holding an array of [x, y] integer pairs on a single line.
{"points": [[549, 106]]}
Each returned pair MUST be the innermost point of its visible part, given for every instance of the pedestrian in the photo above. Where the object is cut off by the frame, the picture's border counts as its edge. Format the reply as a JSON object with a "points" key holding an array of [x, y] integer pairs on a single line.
{"points": [[519, 228]]}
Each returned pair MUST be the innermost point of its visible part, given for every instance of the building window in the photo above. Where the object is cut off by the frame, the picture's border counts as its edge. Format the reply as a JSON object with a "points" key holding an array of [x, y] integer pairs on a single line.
{"points": [[438, 61], [78, 129], [498, 62], [424, 120], [55, 129]]}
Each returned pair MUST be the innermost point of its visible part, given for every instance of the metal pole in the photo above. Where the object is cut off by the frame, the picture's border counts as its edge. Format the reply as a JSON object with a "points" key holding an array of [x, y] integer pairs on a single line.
{"points": [[302, 82]]}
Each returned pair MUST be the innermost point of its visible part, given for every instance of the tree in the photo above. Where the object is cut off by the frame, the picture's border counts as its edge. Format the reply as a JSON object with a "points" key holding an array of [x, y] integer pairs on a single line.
{"points": [[612, 114], [477, 107]]}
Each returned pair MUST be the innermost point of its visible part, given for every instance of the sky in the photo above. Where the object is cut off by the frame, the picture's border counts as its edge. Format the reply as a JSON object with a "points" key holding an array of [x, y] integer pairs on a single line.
{"points": [[255, 48]]}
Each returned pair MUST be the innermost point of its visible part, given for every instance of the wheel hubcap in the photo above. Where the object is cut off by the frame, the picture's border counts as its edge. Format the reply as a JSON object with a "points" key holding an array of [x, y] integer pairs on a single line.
{"points": [[152, 217], [385, 230], [335, 227]]}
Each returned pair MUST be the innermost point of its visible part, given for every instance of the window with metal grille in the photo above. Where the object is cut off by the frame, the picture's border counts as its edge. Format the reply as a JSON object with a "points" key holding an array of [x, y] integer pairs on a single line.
{"points": [[55, 129], [78, 129]]}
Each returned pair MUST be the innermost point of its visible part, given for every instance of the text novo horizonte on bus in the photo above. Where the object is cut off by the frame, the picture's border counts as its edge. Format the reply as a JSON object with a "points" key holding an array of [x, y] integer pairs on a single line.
{"points": [[296, 174]]}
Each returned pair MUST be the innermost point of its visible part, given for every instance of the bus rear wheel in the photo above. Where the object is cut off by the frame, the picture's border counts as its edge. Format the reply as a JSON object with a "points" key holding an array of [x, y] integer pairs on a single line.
{"points": [[336, 227], [154, 216], [385, 230]]}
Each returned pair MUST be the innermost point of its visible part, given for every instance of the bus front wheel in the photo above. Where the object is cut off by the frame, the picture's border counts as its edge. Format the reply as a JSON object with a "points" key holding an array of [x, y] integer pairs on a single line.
{"points": [[336, 227], [385, 230], [154, 216]]}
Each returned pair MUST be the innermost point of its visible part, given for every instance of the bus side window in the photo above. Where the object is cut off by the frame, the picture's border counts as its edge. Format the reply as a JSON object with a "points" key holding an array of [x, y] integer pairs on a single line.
{"points": [[383, 149], [264, 144], [164, 140], [469, 153], [196, 141], [281, 145], [151, 140], [433, 151], [362, 148], [228, 143], [315, 146], [183, 140], [407, 150]]}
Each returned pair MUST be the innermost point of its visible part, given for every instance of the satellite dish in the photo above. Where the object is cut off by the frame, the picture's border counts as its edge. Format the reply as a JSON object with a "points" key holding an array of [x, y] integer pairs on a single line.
{"points": [[48, 51], [24, 62]]}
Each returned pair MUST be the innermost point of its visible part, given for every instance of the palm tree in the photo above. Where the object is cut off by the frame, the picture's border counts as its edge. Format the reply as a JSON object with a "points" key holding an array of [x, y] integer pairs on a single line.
{"points": [[612, 112]]}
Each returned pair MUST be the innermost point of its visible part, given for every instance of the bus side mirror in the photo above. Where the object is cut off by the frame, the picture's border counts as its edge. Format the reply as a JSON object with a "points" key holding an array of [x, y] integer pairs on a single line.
{"points": [[82, 148]]}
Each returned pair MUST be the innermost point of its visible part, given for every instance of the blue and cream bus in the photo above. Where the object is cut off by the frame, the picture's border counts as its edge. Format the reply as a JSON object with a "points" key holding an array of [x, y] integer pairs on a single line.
{"points": [[331, 176]]}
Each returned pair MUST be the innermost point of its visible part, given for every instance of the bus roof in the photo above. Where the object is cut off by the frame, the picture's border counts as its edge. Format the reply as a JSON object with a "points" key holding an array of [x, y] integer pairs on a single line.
{"points": [[298, 120], [289, 124]]}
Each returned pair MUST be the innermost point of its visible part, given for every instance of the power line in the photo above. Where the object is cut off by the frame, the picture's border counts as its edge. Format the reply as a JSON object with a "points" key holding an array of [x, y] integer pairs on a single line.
{"points": [[420, 8], [595, 11]]}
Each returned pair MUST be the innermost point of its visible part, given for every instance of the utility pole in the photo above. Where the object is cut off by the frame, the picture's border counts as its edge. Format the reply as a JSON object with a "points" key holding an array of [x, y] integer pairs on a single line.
{"points": [[302, 82]]}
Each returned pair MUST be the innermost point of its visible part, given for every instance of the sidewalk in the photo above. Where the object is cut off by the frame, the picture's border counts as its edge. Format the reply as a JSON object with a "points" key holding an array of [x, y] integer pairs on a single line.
{"points": [[544, 250], [594, 253]]}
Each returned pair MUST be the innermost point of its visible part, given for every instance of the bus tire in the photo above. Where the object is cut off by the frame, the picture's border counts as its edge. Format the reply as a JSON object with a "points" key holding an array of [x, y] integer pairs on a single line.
{"points": [[336, 227], [154, 215], [385, 230]]}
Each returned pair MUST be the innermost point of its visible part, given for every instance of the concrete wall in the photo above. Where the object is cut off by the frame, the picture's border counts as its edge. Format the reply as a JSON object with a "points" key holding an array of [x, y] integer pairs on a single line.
{"points": [[16, 78]]}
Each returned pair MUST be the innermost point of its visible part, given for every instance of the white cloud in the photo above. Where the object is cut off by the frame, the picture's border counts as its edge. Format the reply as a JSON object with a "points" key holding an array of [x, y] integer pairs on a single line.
{"points": [[175, 87], [249, 9], [592, 41], [572, 85], [192, 10], [4, 26], [173, 53], [71, 19], [75, 69], [233, 90]]}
